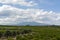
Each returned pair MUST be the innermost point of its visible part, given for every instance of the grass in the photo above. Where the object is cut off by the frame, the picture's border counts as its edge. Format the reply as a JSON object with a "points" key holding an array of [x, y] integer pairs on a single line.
{"points": [[38, 32]]}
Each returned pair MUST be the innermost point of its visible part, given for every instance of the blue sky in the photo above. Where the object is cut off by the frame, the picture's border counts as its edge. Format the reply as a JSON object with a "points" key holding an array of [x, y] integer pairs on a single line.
{"points": [[53, 5], [50, 5], [40, 11]]}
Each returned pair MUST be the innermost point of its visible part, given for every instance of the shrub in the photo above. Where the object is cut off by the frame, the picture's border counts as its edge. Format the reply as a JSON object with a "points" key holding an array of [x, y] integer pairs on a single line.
{"points": [[7, 34], [14, 33], [25, 31], [20, 37], [1, 34], [10, 38]]}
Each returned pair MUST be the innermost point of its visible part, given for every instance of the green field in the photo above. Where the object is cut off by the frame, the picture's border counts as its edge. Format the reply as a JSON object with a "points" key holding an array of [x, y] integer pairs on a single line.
{"points": [[29, 33]]}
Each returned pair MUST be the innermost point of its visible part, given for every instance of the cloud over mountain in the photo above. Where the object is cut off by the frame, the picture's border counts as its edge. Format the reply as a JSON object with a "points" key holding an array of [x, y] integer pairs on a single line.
{"points": [[10, 15]]}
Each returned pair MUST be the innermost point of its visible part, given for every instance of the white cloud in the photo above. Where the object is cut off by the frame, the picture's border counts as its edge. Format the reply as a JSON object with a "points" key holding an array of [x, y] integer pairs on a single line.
{"points": [[12, 15], [21, 2]]}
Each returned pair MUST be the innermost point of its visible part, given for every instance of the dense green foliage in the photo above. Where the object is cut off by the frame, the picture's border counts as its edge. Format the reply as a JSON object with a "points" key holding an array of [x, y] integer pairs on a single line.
{"points": [[30, 32]]}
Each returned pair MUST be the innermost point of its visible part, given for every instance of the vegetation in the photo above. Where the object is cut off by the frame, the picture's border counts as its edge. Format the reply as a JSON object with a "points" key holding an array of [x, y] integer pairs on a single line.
{"points": [[29, 32]]}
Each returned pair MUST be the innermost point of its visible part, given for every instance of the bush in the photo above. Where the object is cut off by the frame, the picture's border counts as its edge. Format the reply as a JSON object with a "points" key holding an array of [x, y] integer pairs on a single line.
{"points": [[25, 31], [20, 37], [14, 33], [1, 34], [10, 38], [7, 34]]}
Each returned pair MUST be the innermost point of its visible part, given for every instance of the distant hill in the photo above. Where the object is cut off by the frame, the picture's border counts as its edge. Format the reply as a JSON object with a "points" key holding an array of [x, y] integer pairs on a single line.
{"points": [[32, 23]]}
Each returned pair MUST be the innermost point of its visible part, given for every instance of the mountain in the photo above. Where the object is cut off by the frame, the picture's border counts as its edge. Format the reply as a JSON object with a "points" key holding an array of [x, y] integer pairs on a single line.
{"points": [[32, 23]]}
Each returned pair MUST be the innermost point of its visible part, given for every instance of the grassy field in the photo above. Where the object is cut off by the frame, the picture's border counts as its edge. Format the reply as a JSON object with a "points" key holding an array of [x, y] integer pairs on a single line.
{"points": [[30, 33]]}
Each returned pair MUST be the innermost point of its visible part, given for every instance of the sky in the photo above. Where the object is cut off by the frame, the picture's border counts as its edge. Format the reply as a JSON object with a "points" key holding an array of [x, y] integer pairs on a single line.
{"points": [[14, 12]]}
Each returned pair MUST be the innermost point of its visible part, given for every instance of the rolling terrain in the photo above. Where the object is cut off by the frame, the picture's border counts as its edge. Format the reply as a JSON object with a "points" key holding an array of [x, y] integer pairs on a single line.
{"points": [[29, 33]]}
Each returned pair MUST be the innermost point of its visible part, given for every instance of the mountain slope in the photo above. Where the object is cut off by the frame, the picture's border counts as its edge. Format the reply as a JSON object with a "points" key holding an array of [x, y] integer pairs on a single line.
{"points": [[32, 23]]}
